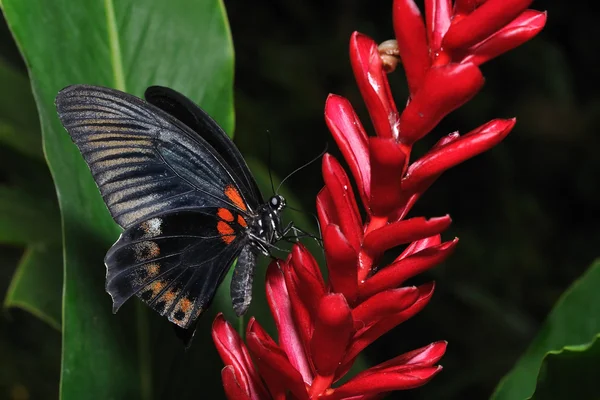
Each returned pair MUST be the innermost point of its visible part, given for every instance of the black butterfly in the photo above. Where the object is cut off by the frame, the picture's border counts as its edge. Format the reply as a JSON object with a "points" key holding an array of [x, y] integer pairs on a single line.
{"points": [[181, 190]]}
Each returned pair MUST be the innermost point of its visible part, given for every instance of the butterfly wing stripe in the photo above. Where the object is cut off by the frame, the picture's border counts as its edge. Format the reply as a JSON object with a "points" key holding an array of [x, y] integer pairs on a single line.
{"points": [[153, 116], [116, 154], [151, 204]]}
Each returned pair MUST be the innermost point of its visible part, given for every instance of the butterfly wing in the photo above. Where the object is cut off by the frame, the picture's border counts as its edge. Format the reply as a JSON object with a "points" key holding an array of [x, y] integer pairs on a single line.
{"points": [[186, 111], [175, 262], [144, 160], [182, 204]]}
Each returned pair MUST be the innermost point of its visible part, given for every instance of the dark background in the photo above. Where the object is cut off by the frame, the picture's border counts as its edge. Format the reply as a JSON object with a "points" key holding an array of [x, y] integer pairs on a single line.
{"points": [[525, 211]]}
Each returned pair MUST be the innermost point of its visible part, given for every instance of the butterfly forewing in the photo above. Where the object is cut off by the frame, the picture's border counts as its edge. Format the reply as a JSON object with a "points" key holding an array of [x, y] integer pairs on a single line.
{"points": [[201, 123], [144, 160]]}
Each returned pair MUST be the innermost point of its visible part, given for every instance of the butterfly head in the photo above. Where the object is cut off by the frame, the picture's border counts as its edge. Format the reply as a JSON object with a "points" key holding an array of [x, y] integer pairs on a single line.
{"points": [[277, 203]]}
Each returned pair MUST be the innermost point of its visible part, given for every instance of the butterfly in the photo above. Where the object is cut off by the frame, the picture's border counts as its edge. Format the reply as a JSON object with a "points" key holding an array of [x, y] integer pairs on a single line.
{"points": [[182, 192]]}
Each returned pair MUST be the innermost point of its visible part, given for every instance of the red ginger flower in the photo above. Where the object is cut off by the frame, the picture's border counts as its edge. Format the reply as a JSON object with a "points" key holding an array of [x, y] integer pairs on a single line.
{"points": [[320, 335], [324, 326]]}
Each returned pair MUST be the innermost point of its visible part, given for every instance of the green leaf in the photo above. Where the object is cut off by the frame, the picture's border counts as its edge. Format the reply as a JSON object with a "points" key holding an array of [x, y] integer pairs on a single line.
{"points": [[570, 373], [36, 285], [128, 45], [17, 105], [575, 320], [29, 347], [28, 143], [26, 219], [19, 125]]}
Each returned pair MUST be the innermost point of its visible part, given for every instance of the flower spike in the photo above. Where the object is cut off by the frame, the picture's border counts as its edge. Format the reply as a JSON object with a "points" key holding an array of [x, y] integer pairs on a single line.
{"points": [[324, 324]]}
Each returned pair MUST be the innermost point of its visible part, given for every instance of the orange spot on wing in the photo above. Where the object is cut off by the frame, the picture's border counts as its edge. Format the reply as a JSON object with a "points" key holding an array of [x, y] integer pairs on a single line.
{"points": [[169, 296], [185, 305], [157, 286], [225, 214], [226, 231], [152, 269], [232, 194], [242, 221], [154, 250]]}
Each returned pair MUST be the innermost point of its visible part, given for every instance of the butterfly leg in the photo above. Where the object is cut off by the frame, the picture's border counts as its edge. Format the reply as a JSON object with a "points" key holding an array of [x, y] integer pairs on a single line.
{"points": [[264, 245], [300, 233]]}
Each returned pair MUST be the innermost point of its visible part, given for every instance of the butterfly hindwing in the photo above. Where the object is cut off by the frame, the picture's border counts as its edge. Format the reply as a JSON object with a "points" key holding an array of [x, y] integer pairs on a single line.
{"points": [[144, 160], [175, 262]]}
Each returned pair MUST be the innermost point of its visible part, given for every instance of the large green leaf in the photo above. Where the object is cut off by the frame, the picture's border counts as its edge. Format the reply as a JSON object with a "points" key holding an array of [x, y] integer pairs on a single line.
{"points": [[37, 284], [29, 348], [129, 45], [19, 126], [29, 213], [26, 219], [570, 373], [574, 321]]}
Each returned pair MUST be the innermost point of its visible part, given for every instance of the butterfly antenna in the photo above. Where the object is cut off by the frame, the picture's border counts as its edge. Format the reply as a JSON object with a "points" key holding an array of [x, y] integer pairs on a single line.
{"points": [[301, 167], [269, 159]]}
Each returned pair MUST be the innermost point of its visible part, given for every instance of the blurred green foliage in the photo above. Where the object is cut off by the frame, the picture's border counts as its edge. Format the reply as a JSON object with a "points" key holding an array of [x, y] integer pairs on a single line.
{"points": [[571, 372], [525, 211], [575, 319]]}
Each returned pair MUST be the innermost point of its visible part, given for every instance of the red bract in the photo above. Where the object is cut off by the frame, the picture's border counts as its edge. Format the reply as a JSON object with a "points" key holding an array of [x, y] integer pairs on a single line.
{"points": [[324, 325]]}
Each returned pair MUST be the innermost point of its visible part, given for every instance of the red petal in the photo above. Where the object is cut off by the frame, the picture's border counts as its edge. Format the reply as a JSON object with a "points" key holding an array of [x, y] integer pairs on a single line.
{"points": [[326, 208], [301, 315], [397, 233], [342, 262], [519, 31], [388, 162], [438, 13], [309, 282], [233, 390], [373, 84], [417, 192], [281, 309], [365, 337], [397, 273], [466, 6], [412, 42], [352, 140], [383, 304], [483, 22], [233, 352], [423, 357], [444, 89], [275, 368], [333, 329], [340, 189], [262, 335], [449, 138], [383, 382], [304, 261], [459, 150], [419, 245]]}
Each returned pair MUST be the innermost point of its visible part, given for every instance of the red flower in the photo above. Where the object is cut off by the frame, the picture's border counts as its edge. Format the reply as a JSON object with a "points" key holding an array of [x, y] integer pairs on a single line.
{"points": [[320, 336], [324, 325]]}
